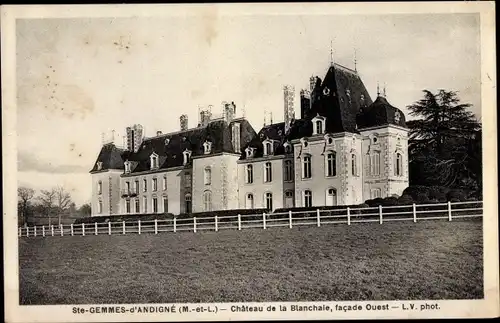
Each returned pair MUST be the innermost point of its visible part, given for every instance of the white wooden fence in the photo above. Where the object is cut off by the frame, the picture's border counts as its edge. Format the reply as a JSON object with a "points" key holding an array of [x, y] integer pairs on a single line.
{"points": [[422, 212]]}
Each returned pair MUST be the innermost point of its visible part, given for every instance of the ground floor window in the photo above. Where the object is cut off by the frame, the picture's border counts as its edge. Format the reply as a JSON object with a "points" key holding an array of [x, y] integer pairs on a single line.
{"points": [[137, 206], [165, 204], [155, 205], [127, 206], [307, 198], [188, 203], [269, 201]]}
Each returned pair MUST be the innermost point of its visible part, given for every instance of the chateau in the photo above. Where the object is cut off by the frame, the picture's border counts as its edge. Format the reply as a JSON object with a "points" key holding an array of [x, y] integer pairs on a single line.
{"points": [[344, 149]]}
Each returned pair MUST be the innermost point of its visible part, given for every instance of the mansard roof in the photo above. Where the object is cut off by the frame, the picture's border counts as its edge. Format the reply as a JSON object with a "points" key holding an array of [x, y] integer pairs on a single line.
{"points": [[110, 157], [380, 113], [171, 155]]}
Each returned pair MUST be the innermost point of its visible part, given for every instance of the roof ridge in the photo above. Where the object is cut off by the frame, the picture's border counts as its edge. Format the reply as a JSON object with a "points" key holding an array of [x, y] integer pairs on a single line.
{"points": [[346, 68]]}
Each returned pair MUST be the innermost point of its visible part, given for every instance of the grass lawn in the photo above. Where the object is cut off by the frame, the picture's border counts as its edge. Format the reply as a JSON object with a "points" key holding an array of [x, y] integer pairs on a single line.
{"points": [[369, 261]]}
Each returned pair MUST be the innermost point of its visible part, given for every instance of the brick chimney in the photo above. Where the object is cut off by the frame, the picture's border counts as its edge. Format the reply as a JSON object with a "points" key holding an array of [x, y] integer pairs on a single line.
{"points": [[184, 122]]}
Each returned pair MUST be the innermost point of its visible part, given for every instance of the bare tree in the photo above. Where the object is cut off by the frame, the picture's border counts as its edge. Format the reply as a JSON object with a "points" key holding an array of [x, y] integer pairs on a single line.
{"points": [[25, 195], [47, 200], [62, 199]]}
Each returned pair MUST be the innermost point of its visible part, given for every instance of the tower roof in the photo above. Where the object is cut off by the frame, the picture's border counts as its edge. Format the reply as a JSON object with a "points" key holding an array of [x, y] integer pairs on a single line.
{"points": [[379, 113]]}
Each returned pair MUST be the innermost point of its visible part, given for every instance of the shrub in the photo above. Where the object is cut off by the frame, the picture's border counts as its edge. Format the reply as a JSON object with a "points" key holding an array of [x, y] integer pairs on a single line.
{"points": [[405, 200], [416, 190], [457, 195]]}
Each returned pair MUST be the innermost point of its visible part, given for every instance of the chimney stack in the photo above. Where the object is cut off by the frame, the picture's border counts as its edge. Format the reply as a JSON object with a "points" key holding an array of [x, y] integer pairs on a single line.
{"points": [[289, 113], [228, 111], [184, 122], [159, 133]]}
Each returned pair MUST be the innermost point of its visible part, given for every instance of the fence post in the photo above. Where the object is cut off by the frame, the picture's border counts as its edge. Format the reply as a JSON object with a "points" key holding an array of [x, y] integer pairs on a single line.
{"points": [[71, 228], [156, 226], [43, 231], [61, 228], [95, 227], [175, 224], [109, 228], [318, 218], [290, 219], [264, 220], [34, 230], [52, 230], [380, 213], [194, 224], [449, 210], [27, 231], [83, 229], [139, 227], [414, 212], [348, 216], [239, 221], [123, 227], [216, 224]]}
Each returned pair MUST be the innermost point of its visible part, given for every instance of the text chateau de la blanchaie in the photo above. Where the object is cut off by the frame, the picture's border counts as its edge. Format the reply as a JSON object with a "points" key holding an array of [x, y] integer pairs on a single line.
{"points": [[344, 149]]}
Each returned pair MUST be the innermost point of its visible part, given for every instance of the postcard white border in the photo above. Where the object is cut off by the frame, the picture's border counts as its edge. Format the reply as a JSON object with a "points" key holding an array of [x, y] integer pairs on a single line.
{"points": [[489, 307]]}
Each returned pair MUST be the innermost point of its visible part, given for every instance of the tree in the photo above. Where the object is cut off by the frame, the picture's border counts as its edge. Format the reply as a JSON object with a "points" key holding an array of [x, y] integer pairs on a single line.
{"points": [[25, 195], [85, 209], [439, 143], [47, 200], [62, 200]]}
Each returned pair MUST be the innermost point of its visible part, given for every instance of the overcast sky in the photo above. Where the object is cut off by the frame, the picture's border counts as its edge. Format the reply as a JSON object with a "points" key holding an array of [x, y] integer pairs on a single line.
{"points": [[78, 78]]}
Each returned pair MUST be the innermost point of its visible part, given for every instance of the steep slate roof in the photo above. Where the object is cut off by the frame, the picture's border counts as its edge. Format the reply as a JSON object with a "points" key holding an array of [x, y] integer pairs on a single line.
{"points": [[380, 113], [110, 156], [218, 132]]}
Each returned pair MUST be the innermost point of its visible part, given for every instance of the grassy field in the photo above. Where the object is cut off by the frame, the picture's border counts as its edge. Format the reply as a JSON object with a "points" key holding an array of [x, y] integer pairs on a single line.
{"points": [[393, 261]]}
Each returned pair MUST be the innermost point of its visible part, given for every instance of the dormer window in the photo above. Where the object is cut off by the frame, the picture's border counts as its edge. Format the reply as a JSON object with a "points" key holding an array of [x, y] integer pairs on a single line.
{"points": [[167, 141], [99, 165], [288, 148], [397, 117], [250, 152], [187, 156], [328, 139], [154, 161], [268, 147], [127, 167], [304, 142], [207, 147], [318, 125]]}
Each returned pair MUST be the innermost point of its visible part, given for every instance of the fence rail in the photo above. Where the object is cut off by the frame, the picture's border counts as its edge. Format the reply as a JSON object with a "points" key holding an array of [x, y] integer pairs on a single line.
{"points": [[381, 214]]}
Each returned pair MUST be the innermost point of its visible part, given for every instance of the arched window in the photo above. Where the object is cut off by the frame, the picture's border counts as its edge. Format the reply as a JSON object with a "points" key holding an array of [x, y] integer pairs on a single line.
{"points": [[354, 165], [268, 172], [154, 161], [250, 201], [319, 126], [137, 205], [331, 196], [99, 206], [288, 148], [269, 201], [99, 187], [127, 166], [375, 164], [306, 167], [288, 171], [331, 164], [268, 148], [399, 164], [208, 175], [207, 201], [307, 198], [249, 174]]}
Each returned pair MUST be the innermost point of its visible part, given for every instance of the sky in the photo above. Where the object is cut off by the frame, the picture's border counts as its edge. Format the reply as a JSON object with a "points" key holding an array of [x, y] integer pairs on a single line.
{"points": [[80, 77]]}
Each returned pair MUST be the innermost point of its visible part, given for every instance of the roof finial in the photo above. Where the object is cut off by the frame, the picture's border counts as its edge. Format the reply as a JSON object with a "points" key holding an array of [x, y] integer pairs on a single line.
{"points": [[265, 112], [331, 52], [384, 91], [271, 116], [378, 89], [355, 61]]}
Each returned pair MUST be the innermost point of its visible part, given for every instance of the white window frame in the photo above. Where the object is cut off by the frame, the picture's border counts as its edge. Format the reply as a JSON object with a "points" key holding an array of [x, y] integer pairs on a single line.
{"points": [[398, 167], [137, 205], [249, 151], [207, 147], [145, 204], [165, 199], [155, 163], [187, 156], [154, 204], [307, 168], [249, 173], [306, 196], [127, 166], [99, 187], [332, 161], [207, 175], [99, 206], [321, 120], [268, 172], [354, 164], [268, 200], [268, 146], [155, 184], [165, 182], [145, 184], [207, 201], [288, 168]]}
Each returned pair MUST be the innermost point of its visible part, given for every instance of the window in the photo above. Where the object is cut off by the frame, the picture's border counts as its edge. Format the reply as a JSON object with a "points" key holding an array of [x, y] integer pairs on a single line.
{"points": [[354, 166], [249, 152], [376, 193], [319, 126], [375, 164], [187, 201], [268, 172], [307, 198], [145, 183], [155, 205], [155, 184], [137, 206], [165, 204], [207, 201], [399, 165], [269, 201], [304, 143], [249, 201], [145, 202], [127, 205], [136, 186], [99, 187], [165, 182], [187, 180], [288, 171], [154, 161], [208, 175], [127, 166], [249, 174], [268, 147], [187, 156], [329, 140], [331, 164], [288, 148], [306, 167], [99, 206], [207, 147], [127, 185], [99, 165], [289, 194]]}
